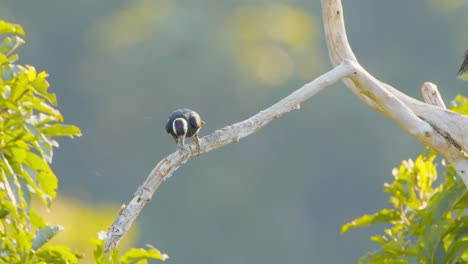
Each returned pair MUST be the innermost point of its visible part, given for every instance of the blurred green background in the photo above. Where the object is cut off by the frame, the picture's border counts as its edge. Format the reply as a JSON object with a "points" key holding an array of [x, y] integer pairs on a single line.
{"points": [[119, 68]]}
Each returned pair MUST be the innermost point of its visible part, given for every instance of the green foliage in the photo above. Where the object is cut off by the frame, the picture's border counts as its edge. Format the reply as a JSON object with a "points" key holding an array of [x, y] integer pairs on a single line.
{"points": [[29, 123], [133, 255], [428, 222], [460, 104]]}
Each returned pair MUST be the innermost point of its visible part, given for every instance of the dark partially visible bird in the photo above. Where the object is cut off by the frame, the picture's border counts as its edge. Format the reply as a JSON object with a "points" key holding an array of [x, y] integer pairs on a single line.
{"points": [[184, 123], [462, 73]]}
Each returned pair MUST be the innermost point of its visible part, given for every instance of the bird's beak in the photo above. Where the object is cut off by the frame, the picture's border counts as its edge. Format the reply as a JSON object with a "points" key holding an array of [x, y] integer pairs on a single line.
{"points": [[181, 141]]}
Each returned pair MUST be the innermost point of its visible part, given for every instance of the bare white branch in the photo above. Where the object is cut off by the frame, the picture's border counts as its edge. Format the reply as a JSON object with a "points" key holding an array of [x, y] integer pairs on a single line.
{"points": [[219, 138], [434, 126], [430, 123]]}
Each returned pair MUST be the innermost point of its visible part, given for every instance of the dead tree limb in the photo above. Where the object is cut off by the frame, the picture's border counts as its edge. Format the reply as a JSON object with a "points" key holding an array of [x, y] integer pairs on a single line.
{"points": [[433, 125], [429, 122]]}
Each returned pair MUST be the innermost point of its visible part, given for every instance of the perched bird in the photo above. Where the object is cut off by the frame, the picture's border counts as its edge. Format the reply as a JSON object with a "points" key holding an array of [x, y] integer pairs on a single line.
{"points": [[462, 73], [184, 123]]}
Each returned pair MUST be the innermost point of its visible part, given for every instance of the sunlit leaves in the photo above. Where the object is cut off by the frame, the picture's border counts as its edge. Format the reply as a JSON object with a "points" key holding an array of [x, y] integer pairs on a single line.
{"points": [[9, 28], [460, 104], [57, 254], [427, 222], [384, 216], [133, 255], [413, 182], [139, 254], [9, 44], [99, 256], [29, 122], [60, 130], [457, 250]]}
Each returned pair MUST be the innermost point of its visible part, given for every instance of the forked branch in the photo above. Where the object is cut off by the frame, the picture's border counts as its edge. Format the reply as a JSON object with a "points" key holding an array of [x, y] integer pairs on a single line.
{"points": [[430, 122], [433, 125]]}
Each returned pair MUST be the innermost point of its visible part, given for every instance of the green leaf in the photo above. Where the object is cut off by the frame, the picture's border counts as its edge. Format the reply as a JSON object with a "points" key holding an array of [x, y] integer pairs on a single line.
{"points": [[456, 250], [41, 106], [32, 169], [98, 252], [433, 249], [48, 183], [426, 174], [391, 255], [36, 163], [9, 44], [3, 62], [443, 202], [45, 147], [11, 186], [460, 105], [19, 154], [99, 256], [4, 213], [43, 235], [393, 247], [379, 239], [136, 254], [41, 85], [434, 220], [13, 58], [26, 193], [9, 28], [13, 124], [57, 255], [22, 240], [382, 217], [36, 220], [10, 71], [30, 73], [60, 130], [7, 246], [11, 208], [43, 180], [29, 175]]}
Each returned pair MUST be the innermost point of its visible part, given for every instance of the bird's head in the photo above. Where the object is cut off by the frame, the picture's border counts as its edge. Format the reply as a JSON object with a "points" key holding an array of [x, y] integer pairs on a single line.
{"points": [[179, 129]]}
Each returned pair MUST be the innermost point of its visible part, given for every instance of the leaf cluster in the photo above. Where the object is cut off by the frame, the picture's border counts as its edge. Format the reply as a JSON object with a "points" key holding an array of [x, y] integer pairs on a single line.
{"points": [[29, 122], [427, 221], [133, 255], [29, 126]]}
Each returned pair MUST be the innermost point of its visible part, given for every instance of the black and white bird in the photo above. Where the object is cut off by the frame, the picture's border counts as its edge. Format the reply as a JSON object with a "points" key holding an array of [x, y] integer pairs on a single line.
{"points": [[184, 123]]}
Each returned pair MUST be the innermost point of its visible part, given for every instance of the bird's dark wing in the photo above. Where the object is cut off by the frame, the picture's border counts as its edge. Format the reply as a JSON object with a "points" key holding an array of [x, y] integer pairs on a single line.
{"points": [[179, 113], [195, 123], [464, 66], [169, 125]]}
